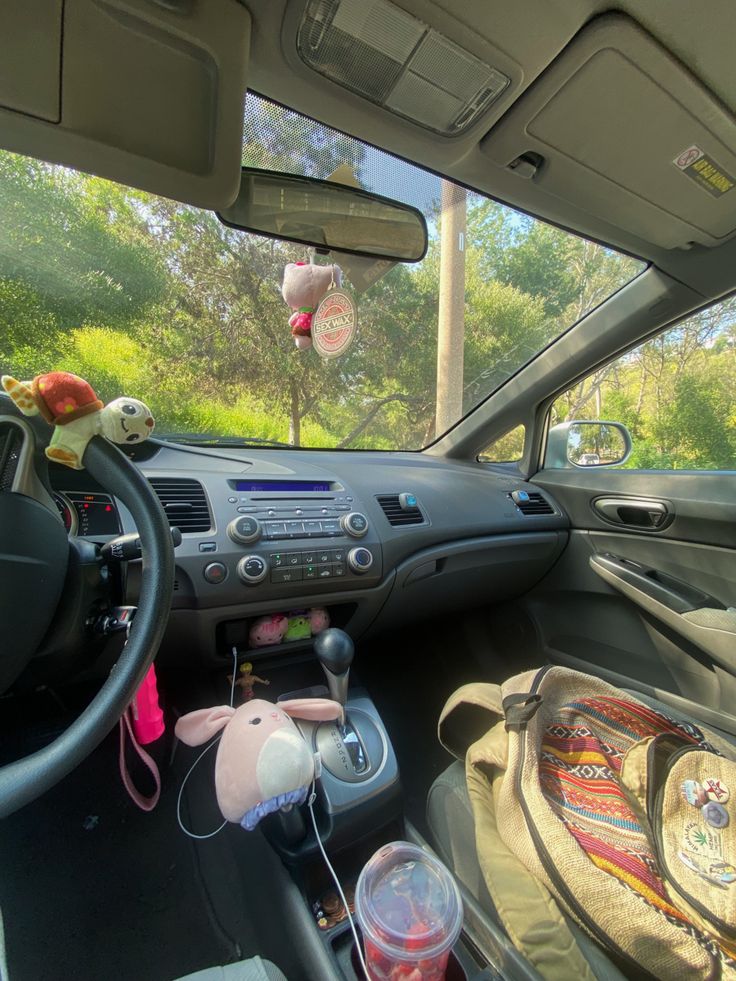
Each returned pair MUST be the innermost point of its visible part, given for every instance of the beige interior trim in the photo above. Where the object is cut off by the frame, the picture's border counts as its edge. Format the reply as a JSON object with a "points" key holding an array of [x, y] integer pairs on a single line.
{"points": [[134, 90]]}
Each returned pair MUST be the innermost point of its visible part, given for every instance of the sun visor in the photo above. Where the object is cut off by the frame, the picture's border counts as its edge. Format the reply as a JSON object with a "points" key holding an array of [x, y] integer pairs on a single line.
{"points": [[619, 128], [146, 92]]}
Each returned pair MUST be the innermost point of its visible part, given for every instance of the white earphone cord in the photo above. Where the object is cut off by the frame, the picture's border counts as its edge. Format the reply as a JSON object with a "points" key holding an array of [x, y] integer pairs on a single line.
{"points": [[204, 752], [361, 958]]}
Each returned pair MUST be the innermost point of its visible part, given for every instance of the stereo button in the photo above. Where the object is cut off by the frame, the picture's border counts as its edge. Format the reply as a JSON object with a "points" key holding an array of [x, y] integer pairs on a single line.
{"points": [[313, 528], [331, 527], [275, 529], [295, 529]]}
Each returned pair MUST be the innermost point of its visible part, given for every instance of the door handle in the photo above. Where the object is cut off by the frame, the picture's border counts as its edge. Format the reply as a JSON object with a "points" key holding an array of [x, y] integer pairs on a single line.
{"points": [[633, 512]]}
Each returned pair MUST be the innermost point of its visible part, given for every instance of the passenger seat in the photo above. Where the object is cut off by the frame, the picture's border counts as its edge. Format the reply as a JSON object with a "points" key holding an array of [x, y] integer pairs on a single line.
{"points": [[254, 969]]}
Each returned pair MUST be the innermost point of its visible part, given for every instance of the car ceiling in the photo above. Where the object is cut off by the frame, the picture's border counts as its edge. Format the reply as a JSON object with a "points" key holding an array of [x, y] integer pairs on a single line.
{"points": [[526, 38]]}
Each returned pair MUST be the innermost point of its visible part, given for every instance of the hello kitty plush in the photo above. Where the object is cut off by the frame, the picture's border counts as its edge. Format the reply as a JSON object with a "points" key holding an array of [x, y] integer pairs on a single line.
{"points": [[268, 630], [304, 285]]}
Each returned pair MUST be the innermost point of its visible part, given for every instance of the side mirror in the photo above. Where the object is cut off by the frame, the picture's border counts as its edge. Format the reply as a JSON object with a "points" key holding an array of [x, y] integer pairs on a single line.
{"points": [[587, 444]]}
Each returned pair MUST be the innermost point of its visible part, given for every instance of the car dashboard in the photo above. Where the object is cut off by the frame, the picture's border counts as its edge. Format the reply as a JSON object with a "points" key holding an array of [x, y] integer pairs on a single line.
{"points": [[378, 539]]}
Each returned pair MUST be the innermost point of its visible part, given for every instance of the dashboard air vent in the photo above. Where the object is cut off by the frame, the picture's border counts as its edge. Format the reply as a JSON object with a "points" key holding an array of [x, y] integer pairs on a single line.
{"points": [[11, 442], [531, 502], [400, 509], [184, 502]]}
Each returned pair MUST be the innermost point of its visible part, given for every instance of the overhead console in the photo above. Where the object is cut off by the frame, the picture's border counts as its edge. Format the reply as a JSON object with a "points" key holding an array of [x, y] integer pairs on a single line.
{"points": [[619, 128], [146, 92]]}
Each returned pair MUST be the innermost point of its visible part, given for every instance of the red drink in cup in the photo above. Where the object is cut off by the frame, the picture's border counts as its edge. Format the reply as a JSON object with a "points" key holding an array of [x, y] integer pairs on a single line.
{"points": [[410, 912]]}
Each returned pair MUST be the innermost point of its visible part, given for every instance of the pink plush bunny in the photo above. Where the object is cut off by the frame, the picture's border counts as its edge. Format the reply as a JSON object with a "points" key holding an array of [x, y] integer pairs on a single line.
{"points": [[263, 763]]}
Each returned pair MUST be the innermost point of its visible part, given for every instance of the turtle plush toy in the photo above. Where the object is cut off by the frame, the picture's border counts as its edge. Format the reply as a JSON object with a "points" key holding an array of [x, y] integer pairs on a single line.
{"points": [[69, 404]]}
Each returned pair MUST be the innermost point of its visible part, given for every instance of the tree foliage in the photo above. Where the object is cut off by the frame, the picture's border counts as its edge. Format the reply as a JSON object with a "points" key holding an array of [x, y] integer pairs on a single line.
{"points": [[149, 296]]}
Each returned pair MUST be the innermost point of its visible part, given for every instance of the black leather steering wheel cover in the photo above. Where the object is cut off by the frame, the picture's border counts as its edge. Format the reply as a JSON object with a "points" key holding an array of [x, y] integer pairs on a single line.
{"points": [[28, 778]]}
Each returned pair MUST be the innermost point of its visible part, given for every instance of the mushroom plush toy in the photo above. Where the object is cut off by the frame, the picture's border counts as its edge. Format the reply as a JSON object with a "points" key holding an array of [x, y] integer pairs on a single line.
{"points": [[305, 283], [69, 404], [263, 763]]}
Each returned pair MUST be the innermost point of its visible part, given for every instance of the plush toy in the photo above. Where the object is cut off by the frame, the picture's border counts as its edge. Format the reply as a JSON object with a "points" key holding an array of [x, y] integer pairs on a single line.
{"points": [[304, 285], [299, 627], [268, 630], [319, 619], [263, 763], [69, 404]]}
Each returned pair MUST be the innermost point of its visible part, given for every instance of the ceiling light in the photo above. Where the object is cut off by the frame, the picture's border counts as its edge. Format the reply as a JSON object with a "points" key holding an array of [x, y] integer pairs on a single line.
{"points": [[389, 57]]}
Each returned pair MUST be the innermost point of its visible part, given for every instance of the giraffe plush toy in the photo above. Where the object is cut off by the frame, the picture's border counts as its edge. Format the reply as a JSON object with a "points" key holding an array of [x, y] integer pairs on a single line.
{"points": [[69, 404]]}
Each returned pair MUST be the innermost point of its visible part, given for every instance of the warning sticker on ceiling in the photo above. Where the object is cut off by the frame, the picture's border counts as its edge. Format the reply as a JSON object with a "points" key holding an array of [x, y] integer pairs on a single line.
{"points": [[704, 171]]}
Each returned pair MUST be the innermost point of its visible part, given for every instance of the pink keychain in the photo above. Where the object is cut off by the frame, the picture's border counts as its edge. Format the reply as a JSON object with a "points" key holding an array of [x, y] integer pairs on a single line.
{"points": [[143, 722], [145, 711]]}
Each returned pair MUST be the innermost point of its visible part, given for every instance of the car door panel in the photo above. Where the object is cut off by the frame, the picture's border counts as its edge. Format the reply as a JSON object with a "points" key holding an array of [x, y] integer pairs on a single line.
{"points": [[651, 608]]}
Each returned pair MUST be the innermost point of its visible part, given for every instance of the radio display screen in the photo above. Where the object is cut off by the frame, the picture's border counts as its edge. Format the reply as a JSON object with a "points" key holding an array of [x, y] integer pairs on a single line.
{"points": [[282, 486]]}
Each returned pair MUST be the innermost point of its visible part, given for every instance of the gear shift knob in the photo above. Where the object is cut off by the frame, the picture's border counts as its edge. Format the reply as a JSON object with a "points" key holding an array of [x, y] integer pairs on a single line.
{"points": [[335, 650]]}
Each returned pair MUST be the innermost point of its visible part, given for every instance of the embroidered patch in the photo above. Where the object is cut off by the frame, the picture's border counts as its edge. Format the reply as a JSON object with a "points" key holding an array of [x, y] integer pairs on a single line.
{"points": [[702, 841]]}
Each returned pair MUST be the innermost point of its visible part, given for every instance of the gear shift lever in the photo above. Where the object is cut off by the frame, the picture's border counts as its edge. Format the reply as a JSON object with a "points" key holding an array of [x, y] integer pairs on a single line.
{"points": [[335, 650]]}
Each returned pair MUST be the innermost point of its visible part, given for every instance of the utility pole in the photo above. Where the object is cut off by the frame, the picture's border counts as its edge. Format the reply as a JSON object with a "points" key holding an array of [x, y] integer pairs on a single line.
{"points": [[451, 323]]}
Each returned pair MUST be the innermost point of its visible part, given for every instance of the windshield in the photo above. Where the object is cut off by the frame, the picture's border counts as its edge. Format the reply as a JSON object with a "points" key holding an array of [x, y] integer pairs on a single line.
{"points": [[151, 298]]}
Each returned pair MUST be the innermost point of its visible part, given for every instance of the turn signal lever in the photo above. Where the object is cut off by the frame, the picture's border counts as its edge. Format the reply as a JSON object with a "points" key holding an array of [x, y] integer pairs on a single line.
{"points": [[334, 649], [124, 548]]}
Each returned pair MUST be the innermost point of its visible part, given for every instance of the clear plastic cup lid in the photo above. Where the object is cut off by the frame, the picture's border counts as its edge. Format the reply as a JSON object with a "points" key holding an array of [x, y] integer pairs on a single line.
{"points": [[407, 902]]}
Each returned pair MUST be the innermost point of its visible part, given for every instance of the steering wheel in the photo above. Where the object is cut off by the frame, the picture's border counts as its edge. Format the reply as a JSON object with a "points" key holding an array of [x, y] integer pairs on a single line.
{"points": [[34, 553]]}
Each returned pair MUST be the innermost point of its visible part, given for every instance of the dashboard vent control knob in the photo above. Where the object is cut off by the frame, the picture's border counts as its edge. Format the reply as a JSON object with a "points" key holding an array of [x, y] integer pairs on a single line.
{"points": [[354, 524], [252, 569], [244, 529], [360, 560]]}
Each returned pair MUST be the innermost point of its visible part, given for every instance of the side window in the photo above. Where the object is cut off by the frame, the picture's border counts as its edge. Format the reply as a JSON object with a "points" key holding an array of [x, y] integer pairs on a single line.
{"points": [[675, 395], [506, 449]]}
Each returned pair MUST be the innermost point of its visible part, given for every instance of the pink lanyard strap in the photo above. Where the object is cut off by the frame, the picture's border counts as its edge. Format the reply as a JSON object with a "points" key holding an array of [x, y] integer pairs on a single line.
{"points": [[145, 803]]}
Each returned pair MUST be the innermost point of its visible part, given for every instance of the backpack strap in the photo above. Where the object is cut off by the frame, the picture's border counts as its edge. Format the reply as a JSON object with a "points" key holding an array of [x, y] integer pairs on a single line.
{"points": [[468, 715]]}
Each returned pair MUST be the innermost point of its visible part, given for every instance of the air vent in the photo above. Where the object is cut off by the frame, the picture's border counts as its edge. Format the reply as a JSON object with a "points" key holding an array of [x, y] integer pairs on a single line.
{"points": [[531, 502], [11, 442], [185, 503], [399, 513]]}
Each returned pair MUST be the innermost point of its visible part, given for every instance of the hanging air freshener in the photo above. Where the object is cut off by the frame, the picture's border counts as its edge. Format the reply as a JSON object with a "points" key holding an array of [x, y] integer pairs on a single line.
{"points": [[335, 323]]}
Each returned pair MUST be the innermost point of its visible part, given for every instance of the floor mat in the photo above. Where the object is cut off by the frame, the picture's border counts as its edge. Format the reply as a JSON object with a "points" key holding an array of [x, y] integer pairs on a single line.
{"points": [[93, 888], [410, 677]]}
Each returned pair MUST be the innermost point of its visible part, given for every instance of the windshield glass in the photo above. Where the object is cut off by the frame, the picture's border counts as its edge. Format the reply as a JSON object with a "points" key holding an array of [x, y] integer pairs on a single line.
{"points": [[151, 298]]}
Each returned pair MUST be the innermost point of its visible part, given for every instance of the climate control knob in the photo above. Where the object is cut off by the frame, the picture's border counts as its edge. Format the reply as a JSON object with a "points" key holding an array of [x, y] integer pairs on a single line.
{"points": [[244, 529], [252, 569], [354, 524], [360, 560]]}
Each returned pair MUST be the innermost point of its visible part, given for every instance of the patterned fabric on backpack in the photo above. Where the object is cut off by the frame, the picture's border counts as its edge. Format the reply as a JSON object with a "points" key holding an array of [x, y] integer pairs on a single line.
{"points": [[579, 771]]}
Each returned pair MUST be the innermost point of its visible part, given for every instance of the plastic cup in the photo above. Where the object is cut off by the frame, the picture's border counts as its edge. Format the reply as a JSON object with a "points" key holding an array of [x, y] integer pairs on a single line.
{"points": [[411, 914]]}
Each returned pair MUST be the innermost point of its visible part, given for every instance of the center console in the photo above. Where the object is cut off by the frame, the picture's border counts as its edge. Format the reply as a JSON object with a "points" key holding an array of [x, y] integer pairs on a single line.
{"points": [[272, 540], [359, 786]]}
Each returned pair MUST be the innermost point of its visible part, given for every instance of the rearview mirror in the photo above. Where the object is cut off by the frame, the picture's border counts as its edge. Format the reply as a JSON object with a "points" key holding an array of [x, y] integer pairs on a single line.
{"points": [[326, 215], [588, 444]]}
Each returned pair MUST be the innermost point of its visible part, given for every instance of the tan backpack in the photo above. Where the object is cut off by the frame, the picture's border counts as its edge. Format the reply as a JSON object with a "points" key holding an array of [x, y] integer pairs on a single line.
{"points": [[605, 801]]}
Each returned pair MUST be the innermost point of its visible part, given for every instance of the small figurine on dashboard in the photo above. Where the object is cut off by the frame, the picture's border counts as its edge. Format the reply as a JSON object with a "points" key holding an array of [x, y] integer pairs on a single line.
{"points": [[246, 680]]}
